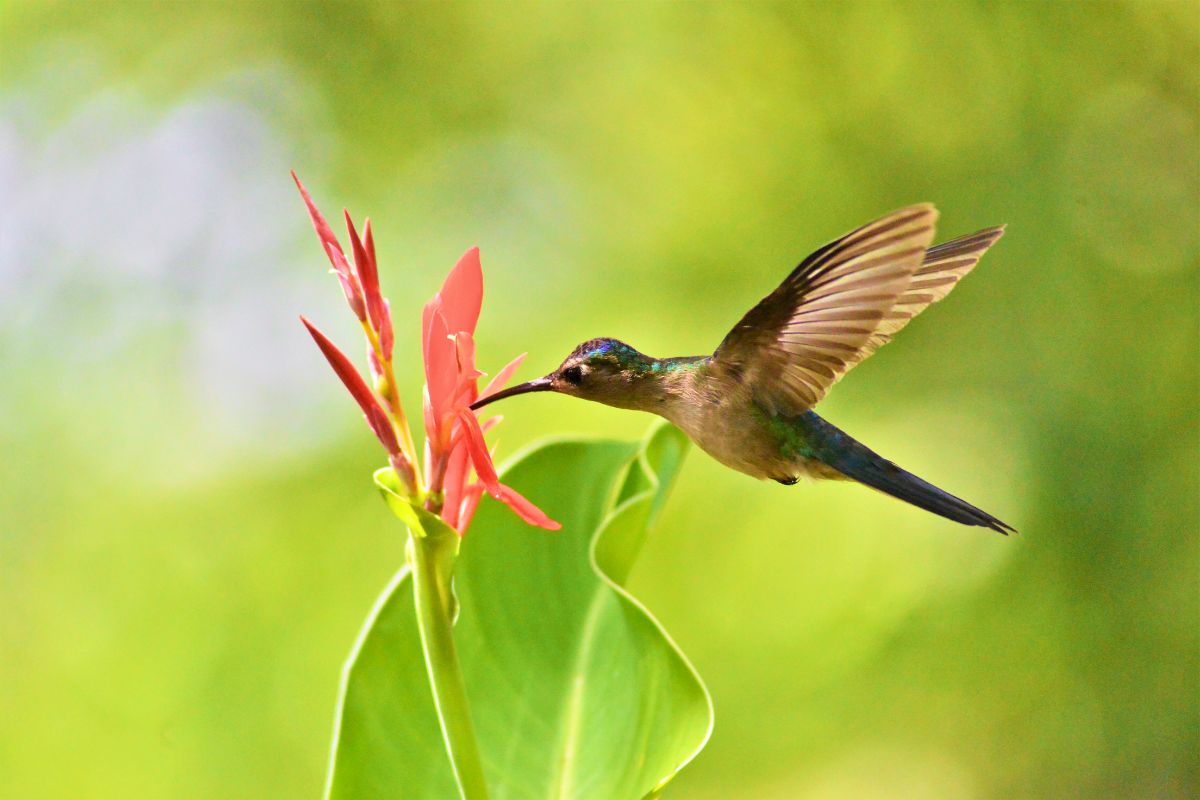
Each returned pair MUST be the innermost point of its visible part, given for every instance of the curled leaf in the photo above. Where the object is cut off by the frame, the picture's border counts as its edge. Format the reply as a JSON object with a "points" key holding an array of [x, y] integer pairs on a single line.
{"points": [[576, 692]]}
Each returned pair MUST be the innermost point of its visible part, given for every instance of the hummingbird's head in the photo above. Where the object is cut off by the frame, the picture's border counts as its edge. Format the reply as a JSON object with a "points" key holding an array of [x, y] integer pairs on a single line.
{"points": [[604, 370]]}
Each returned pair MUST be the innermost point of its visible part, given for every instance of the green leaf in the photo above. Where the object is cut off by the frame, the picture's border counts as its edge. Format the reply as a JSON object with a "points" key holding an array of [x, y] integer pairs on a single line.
{"points": [[575, 690]]}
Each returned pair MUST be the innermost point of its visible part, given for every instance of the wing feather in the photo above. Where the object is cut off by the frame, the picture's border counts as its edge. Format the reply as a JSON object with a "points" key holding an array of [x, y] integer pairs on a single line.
{"points": [[800, 339], [944, 266]]}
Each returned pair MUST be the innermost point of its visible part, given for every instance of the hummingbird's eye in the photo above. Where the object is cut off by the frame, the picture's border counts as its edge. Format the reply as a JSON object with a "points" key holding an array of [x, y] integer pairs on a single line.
{"points": [[573, 375]]}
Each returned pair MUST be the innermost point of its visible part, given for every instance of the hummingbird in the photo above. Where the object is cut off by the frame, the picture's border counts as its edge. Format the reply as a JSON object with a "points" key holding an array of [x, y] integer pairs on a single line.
{"points": [[750, 403]]}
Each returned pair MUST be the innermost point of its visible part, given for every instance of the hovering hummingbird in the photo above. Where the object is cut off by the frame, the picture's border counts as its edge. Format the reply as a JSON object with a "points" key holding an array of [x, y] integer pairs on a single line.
{"points": [[749, 404]]}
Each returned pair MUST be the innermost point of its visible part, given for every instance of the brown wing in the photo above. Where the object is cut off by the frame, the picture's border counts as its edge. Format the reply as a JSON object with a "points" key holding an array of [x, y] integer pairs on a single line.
{"points": [[944, 266], [800, 339]]}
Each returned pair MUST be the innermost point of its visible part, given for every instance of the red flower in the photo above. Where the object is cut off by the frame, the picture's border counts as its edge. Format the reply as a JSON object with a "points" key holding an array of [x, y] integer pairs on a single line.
{"points": [[458, 464], [452, 429]]}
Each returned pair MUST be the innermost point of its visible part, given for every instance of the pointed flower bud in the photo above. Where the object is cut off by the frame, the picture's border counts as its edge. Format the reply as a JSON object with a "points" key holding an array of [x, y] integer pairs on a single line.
{"points": [[337, 257], [367, 273], [377, 418]]}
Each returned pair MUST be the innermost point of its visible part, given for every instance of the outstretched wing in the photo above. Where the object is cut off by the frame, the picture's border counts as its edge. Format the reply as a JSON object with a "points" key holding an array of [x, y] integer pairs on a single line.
{"points": [[944, 266], [800, 339]]}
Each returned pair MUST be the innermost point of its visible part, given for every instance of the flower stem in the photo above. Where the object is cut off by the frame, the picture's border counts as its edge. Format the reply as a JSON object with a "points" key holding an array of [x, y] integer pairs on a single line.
{"points": [[432, 559]]}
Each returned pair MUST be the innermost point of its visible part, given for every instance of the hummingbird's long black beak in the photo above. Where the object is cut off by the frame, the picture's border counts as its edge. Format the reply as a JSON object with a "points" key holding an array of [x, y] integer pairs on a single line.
{"points": [[539, 385]]}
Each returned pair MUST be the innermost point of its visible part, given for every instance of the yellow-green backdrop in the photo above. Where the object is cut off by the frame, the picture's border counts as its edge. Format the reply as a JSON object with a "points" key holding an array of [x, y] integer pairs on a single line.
{"points": [[189, 538]]}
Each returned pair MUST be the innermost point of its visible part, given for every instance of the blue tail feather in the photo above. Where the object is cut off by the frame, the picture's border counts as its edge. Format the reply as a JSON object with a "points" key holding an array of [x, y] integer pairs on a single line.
{"points": [[858, 462]]}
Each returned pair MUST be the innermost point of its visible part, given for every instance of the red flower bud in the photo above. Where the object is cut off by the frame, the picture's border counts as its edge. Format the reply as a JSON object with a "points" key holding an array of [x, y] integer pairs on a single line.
{"points": [[362, 394], [333, 249], [368, 274]]}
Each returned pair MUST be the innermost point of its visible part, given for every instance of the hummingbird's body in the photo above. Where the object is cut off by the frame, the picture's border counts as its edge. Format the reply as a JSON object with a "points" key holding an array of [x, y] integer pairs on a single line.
{"points": [[749, 404], [718, 413]]}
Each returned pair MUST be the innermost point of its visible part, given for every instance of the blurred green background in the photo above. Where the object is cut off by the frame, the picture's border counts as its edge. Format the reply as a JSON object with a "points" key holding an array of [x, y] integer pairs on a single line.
{"points": [[189, 538]]}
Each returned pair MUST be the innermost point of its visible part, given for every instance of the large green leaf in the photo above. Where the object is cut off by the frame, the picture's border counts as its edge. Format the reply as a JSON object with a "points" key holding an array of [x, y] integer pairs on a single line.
{"points": [[575, 690]]}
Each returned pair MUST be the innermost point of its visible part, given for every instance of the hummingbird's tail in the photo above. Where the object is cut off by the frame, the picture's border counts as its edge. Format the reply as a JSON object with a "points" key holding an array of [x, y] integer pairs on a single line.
{"points": [[858, 462]]}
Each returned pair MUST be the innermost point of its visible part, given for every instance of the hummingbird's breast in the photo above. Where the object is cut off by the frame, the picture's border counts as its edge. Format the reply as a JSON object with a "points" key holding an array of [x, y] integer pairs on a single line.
{"points": [[724, 421]]}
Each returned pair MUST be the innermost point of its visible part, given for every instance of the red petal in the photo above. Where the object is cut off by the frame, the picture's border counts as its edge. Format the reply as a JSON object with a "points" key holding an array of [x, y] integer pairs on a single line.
{"points": [[382, 428], [386, 336], [426, 324], [368, 273], [341, 268], [526, 510], [462, 293], [324, 232], [470, 502], [376, 418], [441, 366], [464, 353], [465, 391], [336, 256], [503, 376], [481, 459], [373, 363], [369, 240], [455, 485], [431, 427], [434, 306]]}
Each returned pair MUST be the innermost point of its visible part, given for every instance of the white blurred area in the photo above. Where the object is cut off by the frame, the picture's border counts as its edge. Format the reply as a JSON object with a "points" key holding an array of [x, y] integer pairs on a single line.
{"points": [[153, 261]]}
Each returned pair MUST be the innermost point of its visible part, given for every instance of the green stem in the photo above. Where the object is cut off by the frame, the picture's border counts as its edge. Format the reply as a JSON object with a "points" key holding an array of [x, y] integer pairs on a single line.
{"points": [[432, 560]]}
